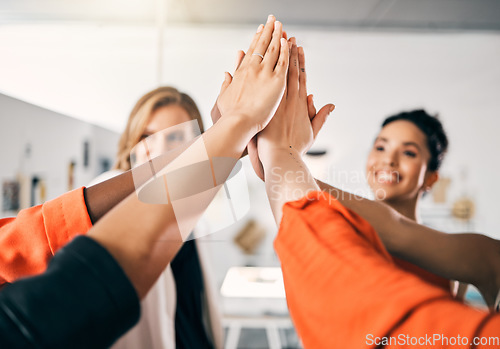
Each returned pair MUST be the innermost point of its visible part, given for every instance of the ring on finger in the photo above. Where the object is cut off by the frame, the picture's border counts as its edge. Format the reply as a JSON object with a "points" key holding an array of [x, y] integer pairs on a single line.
{"points": [[258, 54]]}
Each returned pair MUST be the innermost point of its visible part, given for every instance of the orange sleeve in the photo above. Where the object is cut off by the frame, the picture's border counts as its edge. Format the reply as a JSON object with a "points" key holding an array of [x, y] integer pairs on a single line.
{"points": [[443, 323], [28, 241], [342, 286], [489, 334]]}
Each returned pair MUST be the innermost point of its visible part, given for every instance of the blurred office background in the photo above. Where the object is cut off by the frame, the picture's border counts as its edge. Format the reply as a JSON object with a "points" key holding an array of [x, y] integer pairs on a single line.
{"points": [[71, 71]]}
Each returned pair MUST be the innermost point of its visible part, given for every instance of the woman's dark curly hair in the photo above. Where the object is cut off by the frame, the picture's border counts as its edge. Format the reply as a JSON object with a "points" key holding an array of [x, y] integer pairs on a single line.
{"points": [[437, 142]]}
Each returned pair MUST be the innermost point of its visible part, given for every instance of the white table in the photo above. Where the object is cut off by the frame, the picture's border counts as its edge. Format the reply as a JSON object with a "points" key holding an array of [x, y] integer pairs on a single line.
{"points": [[271, 324], [254, 297]]}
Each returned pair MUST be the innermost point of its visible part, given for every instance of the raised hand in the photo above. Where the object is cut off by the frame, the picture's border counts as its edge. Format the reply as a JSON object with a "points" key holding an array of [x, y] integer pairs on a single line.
{"points": [[258, 83], [317, 119], [295, 123], [215, 112]]}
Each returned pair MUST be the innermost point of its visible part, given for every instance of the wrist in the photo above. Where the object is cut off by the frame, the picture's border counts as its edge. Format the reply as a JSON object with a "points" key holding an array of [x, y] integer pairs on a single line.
{"points": [[229, 136], [240, 123], [273, 155]]}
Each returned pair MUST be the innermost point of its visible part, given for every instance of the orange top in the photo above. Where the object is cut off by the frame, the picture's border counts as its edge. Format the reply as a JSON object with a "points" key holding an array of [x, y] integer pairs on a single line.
{"points": [[28, 241], [344, 290]]}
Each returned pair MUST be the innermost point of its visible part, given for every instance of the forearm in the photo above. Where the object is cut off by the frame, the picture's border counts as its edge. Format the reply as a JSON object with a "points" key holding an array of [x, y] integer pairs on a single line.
{"points": [[471, 258], [144, 237], [130, 233], [287, 178], [102, 197], [468, 257], [382, 218]]}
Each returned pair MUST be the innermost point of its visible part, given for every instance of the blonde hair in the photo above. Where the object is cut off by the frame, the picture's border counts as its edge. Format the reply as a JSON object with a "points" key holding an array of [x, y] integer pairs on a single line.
{"points": [[141, 114]]}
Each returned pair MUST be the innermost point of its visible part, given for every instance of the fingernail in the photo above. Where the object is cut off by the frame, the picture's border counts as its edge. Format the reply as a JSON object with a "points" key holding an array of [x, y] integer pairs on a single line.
{"points": [[283, 42], [277, 24], [259, 29], [270, 18], [331, 108]]}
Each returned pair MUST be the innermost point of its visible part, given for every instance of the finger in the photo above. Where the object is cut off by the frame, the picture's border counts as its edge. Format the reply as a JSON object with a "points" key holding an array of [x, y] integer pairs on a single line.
{"points": [[311, 109], [227, 81], [319, 120], [255, 39], [284, 35], [239, 58], [215, 112], [302, 74], [273, 50], [264, 40], [282, 101], [282, 65], [293, 71], [254, 42]]}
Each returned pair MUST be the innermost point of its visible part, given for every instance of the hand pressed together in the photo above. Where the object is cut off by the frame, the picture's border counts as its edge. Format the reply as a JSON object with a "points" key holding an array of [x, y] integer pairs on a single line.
{"points": [[295, 123], [255, 91]]}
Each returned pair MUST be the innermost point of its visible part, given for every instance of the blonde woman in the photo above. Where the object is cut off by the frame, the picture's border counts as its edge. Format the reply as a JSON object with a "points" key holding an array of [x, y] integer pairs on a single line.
{"points": [[180, 311]]}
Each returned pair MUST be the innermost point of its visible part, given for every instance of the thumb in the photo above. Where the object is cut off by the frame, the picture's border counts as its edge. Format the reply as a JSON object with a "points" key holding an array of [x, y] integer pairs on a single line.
{"points": [[215, 113], [319, 120], [239, 58], [227, 81], [311, 109]]}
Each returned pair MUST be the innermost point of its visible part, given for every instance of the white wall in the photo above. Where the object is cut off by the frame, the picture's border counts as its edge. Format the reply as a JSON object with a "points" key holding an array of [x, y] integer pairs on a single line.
{"points": [[98, 72], [55, 141]]}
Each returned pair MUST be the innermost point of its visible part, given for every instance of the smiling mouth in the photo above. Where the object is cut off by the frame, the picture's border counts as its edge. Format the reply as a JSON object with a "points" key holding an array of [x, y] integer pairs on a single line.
{"points": [[387, 177]]}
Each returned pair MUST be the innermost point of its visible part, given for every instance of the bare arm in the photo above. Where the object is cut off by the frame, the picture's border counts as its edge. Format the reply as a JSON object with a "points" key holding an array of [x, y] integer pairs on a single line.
{"points": [[471, 258], [247, 107], [283, 142], [102, 197], [143, 237]]}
